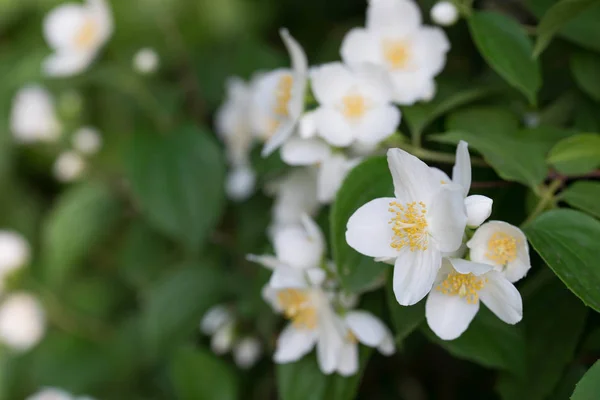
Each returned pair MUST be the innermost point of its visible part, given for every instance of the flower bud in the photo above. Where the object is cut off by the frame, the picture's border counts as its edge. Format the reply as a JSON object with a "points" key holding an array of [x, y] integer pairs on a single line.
{"points": [[69, 166], [22, 321], [146, 61], [444, 13], [247, 352]]}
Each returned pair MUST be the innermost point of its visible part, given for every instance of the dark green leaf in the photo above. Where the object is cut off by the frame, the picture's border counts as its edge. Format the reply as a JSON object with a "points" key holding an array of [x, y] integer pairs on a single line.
{"points": [[505, 46], [198, 374], [178, 181], [567, 241], [585, 67], [584, 196], [588, 388], [369, 180], [577, 154], [405, 319]]}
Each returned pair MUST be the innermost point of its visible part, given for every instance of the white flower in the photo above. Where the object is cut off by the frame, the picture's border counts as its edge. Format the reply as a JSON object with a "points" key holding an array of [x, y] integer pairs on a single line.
{"points": [[478, 207], [50, 394], [247, 352], [69, 166], [22, 321], [222, 341], [331, 174], [215, 318], [146, 61], [87, 140], [278, 98], [14, 252], [295, 195], [240, 183], [76, 32], [355, 104], [444, 13], [454, 301], [423, 220], [33, 116], [395, 40], [502, 245]]}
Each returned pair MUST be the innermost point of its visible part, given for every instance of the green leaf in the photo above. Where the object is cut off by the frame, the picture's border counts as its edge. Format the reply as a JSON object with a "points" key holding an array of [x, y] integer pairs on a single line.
{"points": [[178, 181], [198, 374], [175, 305], [584, 196], [553, 321], [585, 67], [369, 180], [82, 217], [489, 342], [405, 319], [556, 18], [507, 49], [567, 241], [577, 154], [588, 387], [494, 133]]}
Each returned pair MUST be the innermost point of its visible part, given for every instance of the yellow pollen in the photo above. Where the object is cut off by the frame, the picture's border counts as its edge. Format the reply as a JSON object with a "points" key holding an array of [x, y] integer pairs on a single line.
{"points": [[409, 225], [87, 35], [354, 106], [502, 248], [443, 182], [351, 337], [467, 286], [298, 308], [396, 53], [283, 95]]}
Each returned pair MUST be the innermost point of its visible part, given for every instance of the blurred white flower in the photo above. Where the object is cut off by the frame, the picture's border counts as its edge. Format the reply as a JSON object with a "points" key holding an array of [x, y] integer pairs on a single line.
{"points": [[87, 140], [146, 61], [423, 220], [222, 340], [14, 252], [22, 321], [278, 98], [240, 183], [76, 32], [454, 301], [69, 166], [354, 104], [33, 116], [503, 246], [246, 352], [215, 318], [295, 195], [444, 13], [50, 394], [331, 175], [395, 40]]}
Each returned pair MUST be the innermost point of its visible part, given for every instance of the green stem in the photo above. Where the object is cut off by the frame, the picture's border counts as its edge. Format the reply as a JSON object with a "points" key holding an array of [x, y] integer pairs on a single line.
{"points": [[546, 198]]}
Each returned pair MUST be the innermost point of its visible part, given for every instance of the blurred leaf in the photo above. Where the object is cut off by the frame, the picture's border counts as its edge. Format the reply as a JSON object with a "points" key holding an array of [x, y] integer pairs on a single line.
{"points": [[567, 241], [585, 67], [489, 342], [493, 133], [82, 217], [178, 180], [577, 154], [507, 49], [566, 385], [369, 180], [584, 196], [198, 374], [555, 18], [553, 322], [588, 387], [405, 319], [175, 305]]}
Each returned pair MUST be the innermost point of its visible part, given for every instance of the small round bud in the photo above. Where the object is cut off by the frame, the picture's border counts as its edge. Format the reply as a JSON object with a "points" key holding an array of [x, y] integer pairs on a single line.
{"points": [[146, 61], [22, 321], [247, 352], [444, 13], [215, 318], [69, 166], [87, 140], [14, 252], [240, 183]]}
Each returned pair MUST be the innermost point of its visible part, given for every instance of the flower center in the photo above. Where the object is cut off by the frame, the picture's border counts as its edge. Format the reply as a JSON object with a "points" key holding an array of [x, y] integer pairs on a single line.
{"points": [[351, 337], [396, 53], [87, 34], [283, 95], [409, 225], [502, 248], [298, 307], [354, 106], [467, 286]]}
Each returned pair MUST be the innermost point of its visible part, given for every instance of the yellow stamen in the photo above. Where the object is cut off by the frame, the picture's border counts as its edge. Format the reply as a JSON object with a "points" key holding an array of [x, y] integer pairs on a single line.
{"points": [[354, 106], [409, 225], [350, 337], [87, 34], [466, 286], [396, 53], [298, 308], [283, 95], [502, 248]]}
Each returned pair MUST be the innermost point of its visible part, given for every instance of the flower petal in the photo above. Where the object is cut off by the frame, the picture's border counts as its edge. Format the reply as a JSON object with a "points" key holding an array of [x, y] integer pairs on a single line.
{"points": [[298, 151], [413, 179], [369, 230], [449, 316], [411, 86], [102, 13], [360, 46], [307, 127], [283, 133], [470, 267], [330, 82], [502, 298], [348, 362], [285, 277], [516, 270], [62, 23], [461, 172], [431, 45], [447, 218], [300, 69], [329, 342], [334, 127], [441, 175], [266, 261], [67, 64], [240, 183], [414, 274], [399, 16], [367, 328], [479, 208], [378, 124], [296, 248], [293, 344], [332, 173]]}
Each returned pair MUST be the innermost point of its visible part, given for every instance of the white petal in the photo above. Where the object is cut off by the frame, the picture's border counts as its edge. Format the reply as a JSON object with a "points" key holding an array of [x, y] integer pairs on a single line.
{"points": [[240, 183], [470, 267], [307, 127], [387, 347], [348, 362], [102, 13], [313, 232], [331, 82], [360, 46], [378, 124], [329, 342], [414, 274], [413, 179], [66, 64], [447, 218], [516, 270], [369, 230], [332, 173], [269, 262], [296, 248], [283, 133], [298, 151], [334, 127], [502, 297], [367, 328], [215, 318], [479, 208], [62, 23], [300, 69], [431, 45], [412, 86], [293, 344], [449, 316], [285, 277], [441, 175], [461, 172], [315, 276], [399, 16]]}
